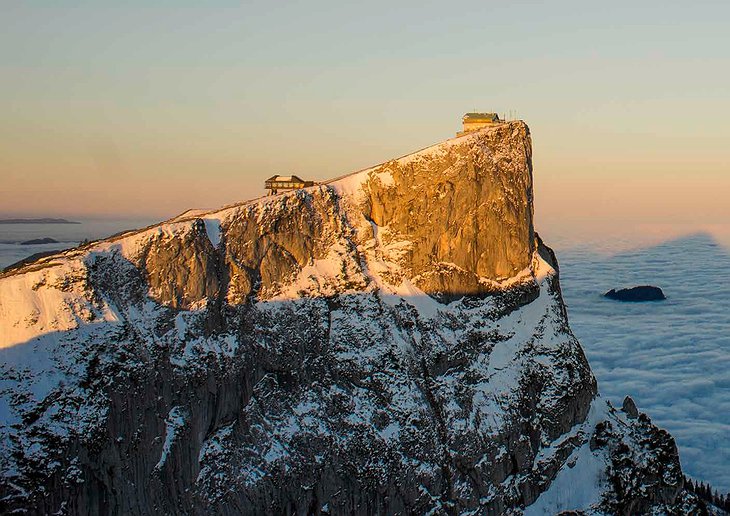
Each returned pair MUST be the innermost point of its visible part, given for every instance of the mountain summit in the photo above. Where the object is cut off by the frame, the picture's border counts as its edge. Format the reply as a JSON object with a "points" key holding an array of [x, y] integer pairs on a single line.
{"points": [[390, 342]]}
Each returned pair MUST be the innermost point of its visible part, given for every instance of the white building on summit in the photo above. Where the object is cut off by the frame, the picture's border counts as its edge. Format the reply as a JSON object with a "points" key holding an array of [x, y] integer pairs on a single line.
{"points": [[276, 183]]}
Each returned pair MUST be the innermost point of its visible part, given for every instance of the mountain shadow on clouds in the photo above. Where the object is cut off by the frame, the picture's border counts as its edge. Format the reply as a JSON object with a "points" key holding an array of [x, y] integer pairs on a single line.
{"points": [[672, 357]]}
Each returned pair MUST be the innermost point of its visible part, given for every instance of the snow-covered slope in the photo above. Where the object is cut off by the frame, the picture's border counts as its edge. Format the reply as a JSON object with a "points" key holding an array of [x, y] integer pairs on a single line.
{"points": [[393, 341]]}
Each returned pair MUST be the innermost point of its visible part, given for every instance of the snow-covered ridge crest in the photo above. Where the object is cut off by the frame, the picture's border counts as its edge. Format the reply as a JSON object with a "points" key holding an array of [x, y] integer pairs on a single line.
{"points": [[53, 299], [426, 222]]}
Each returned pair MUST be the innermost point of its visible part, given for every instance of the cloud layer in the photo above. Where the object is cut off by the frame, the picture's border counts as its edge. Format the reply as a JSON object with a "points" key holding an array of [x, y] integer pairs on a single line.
{"points": [[672, 357]]}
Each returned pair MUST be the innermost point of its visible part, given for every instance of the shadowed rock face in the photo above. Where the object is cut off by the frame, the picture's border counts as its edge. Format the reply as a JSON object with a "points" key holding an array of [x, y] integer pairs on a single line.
{"points": [[347, 402], [275, 357]]}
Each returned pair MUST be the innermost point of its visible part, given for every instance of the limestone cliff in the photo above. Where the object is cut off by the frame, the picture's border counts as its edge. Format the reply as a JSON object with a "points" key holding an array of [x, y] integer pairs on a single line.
{"points": [[466, 210], [455, 218], [391, 342]]}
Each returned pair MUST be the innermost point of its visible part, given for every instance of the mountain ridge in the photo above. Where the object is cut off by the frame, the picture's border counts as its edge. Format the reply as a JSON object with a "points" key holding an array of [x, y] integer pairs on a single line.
{"points": [[394, 341]]}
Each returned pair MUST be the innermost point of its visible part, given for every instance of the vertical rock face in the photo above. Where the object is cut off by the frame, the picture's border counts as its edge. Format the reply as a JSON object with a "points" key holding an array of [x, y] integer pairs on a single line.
{"points": [[391, 342], [267, 245], [467, 207], [181, 269]]}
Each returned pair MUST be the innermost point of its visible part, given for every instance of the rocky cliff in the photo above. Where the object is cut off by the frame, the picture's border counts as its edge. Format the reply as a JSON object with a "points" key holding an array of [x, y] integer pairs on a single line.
{"points": [[391, 342]]}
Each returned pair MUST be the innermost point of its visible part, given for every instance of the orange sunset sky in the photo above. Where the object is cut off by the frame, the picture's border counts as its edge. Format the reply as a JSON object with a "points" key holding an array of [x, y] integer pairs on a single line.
{"points": [[146, 112]]}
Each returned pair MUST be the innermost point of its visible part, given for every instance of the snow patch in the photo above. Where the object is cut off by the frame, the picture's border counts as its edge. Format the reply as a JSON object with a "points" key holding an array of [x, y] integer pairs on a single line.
{"points": [[174, 425], [213, 229], [581, 482], [385, 178], [52, 299]]}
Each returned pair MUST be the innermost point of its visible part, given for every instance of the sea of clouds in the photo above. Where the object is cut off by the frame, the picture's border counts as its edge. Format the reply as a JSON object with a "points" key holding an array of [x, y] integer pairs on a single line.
{"points": [[673, 356]]}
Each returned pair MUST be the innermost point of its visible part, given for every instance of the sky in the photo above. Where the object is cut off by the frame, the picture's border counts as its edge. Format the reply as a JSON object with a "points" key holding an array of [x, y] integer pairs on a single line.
{"points": [[147, 111]]}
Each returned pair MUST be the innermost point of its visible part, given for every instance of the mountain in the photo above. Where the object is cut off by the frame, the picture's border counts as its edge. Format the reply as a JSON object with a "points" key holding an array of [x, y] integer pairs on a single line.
{"points": [[390, 342], [38, 221]]}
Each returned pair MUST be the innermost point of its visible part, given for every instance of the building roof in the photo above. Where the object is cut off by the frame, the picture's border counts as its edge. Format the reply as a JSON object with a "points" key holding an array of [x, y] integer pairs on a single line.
{"points": [[481, 117], [285, 179]]}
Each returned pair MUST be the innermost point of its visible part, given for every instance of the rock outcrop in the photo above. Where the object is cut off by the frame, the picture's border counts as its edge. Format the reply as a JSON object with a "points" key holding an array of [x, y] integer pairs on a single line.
{"points": [[392, 342], [629, 408], [37, 241], [636, 294]]}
